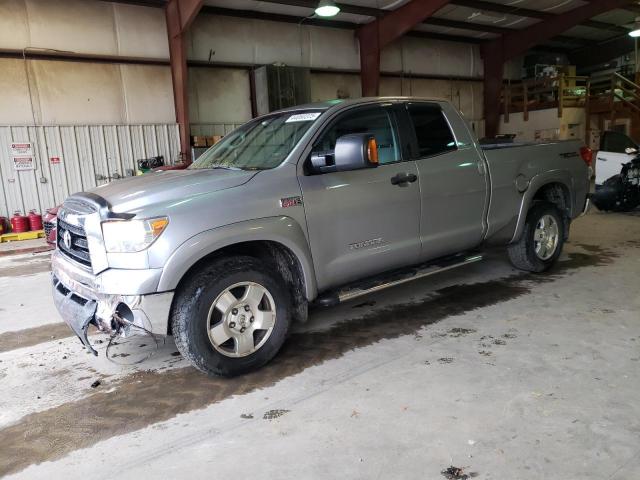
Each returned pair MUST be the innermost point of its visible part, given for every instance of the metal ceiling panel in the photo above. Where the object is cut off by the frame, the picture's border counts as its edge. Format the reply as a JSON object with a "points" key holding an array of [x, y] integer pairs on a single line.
{"points": [[280, 9], [589, 33], [457, 13], [263, 7], [454, 31], [381, 4], [617, 17], [481, 17], [551, 6]]}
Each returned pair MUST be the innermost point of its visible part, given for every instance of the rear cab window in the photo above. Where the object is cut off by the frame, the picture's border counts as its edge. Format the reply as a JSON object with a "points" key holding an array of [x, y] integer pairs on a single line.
{"points": [[432, 131]]}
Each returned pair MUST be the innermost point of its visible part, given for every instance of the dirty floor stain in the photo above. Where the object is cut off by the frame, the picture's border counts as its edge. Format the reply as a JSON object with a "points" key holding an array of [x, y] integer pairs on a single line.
{"points": [[33, 336], [29, 268]]}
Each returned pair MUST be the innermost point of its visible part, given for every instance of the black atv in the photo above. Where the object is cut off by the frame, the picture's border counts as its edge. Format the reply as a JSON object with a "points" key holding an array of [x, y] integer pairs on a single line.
{"points": [[620, 193]]}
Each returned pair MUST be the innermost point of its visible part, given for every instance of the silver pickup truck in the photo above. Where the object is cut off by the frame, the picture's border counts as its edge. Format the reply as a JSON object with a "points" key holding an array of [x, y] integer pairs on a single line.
{"points": [[316, 204]]}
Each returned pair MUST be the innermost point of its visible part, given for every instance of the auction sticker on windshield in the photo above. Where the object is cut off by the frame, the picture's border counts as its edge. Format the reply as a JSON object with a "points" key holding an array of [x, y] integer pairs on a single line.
{"points": [[303, 117]]}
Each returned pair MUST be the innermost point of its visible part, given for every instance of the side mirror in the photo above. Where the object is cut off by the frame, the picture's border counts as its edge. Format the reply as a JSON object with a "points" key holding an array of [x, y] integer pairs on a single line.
{"points": [[630, 151], [353, 152]]}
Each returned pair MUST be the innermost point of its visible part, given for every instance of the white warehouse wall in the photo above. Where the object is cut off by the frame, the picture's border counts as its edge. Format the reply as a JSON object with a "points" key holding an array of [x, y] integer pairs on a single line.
{"points": [[64, 92], [219, 95], [545, 125], [82, 26], [251, 41]]}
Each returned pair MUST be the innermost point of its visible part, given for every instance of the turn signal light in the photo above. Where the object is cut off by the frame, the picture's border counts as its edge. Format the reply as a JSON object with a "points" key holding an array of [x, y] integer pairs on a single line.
{"points": [[587, 155], [372, 151], [157, 225]]}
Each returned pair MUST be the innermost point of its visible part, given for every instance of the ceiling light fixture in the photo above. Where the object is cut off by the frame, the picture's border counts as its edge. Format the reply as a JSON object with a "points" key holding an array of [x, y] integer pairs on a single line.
{"points": [[326, 8]]}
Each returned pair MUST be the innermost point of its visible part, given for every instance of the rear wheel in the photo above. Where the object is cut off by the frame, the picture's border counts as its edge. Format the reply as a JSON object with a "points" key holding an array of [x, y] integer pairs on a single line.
{"points": [[232, 316], [542, 239]]}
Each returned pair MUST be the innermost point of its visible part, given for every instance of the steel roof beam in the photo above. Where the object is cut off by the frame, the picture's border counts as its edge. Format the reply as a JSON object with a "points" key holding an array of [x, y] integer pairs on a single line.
{"points": [[382, 31], [517, 42]]}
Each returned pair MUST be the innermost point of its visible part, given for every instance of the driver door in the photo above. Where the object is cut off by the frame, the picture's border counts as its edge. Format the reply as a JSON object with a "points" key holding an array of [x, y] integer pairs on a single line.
{"points": [[363, 222]]}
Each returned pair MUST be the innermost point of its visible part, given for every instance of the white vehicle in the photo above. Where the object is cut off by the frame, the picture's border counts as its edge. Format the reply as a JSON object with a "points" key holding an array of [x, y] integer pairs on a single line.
{"points": [[617, 173], [616, 149]]}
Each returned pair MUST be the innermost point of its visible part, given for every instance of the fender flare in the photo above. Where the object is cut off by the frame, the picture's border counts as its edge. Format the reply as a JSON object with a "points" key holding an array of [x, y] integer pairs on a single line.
{"points": [[535, 184], [283, 230]]}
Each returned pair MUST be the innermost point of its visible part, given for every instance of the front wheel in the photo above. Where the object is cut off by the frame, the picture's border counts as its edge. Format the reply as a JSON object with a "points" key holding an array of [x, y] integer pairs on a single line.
{"points": [[232, 316], [542, 239]]}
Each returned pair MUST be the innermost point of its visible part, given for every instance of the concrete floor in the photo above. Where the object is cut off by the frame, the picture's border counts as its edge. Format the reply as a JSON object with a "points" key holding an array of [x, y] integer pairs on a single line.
{"points": [[506, 375]]}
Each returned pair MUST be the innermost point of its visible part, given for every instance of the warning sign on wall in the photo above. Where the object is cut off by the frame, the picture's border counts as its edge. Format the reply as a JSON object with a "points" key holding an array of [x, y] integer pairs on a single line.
{"points": [[22, 156], [54, 160], [23, 163], [21, 149]]}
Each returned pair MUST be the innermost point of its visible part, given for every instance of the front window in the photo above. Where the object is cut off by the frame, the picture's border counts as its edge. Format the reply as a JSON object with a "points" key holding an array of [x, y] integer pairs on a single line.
{"points": [[374, 120], [260, 144]]}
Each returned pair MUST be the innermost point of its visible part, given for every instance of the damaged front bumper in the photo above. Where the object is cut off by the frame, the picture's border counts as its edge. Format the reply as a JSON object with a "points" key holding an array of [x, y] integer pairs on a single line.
{"points": [[77, 312], [83, 299]]}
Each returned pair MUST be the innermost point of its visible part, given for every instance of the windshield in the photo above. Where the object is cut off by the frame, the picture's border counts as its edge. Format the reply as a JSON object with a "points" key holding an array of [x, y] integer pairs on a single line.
{"points": [[260, 144]]}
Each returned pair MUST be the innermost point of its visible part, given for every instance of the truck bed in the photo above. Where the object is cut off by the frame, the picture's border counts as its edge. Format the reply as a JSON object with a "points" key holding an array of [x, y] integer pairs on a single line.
{"points": [[511, 163]]}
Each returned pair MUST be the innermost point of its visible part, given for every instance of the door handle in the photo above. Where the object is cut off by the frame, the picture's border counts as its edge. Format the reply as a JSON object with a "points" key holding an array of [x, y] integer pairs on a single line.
{"points": [[403, 178]]}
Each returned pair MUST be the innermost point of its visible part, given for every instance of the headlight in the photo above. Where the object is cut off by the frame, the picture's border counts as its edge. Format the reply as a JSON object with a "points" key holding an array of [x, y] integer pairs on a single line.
{"points": [[129, 236]]}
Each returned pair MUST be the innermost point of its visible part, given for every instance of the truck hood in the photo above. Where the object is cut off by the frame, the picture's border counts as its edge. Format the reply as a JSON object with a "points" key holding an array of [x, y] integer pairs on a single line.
{"points": [[135, 193]]}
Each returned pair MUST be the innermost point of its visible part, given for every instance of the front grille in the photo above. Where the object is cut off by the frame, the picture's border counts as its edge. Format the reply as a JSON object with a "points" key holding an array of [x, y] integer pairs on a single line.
{"points": [[48, 226], [75, 246]]}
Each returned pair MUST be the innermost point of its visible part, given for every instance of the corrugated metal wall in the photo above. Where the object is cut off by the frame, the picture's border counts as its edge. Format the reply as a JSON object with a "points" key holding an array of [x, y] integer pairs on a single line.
{"points": [[90, 155]]}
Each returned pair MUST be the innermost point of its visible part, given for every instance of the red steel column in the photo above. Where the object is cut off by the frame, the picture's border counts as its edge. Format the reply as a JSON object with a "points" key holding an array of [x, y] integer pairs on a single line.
{"points": [[180, 14], [493, 56], [369, 61]]}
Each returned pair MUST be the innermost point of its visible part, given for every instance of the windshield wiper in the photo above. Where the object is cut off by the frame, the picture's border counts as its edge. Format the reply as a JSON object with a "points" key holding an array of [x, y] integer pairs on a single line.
{"points": [[224, 167]]}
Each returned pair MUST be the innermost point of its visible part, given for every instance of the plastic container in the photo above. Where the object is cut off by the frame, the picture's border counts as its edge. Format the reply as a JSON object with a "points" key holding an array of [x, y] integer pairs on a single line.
{"points": [[35, 221], [19, 223]]}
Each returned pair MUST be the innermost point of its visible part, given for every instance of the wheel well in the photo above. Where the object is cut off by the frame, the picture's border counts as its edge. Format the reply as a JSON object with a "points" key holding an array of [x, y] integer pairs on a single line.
{"points": [[281, 258], [558, 194]]}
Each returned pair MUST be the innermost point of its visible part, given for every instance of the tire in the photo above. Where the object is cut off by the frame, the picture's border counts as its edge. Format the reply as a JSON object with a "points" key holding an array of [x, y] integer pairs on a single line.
{"points": [[524, 254], [198, 307]]}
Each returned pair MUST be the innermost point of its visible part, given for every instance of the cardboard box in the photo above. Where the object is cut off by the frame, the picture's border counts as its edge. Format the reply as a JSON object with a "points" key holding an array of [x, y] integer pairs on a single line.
{"points": [[212, 140], [199, 141]]}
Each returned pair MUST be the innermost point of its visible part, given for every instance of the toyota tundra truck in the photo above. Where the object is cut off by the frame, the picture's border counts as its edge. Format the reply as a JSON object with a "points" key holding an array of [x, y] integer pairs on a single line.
{"points": [[312, 205]]}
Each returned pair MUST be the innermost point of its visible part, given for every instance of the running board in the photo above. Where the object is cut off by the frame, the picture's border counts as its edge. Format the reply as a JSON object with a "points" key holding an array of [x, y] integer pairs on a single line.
{"points": [[378, 283]]}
